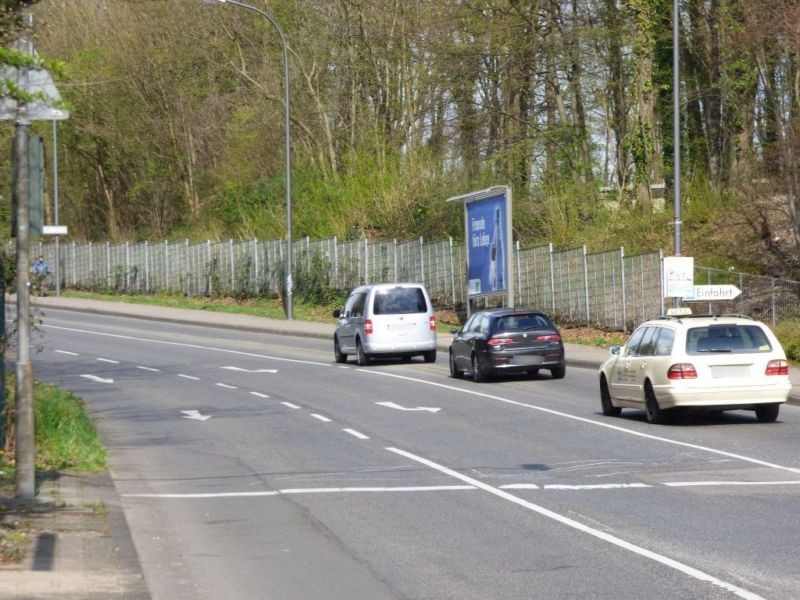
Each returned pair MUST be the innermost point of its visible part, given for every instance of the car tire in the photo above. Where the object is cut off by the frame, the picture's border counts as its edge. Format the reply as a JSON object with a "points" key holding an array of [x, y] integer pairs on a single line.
{"points": [[338, 355], [478, 376], [608, 408], [767, 413], [430, 357], [362, 357], [455, 372], [652, 411], [559, 372]]}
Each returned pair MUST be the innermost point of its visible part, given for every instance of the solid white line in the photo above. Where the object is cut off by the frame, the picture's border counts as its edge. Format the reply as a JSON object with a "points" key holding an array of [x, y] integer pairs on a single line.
{"points": [[226, 386], [108, 360], [321, 418], [585, 420], [355, 433], [290, 405], [361, 490], [519, 486], [703, 483], [259, 394], [185, 345], [148, 368], [67, 353], [192, 377], [601, 535], [598, 486]]}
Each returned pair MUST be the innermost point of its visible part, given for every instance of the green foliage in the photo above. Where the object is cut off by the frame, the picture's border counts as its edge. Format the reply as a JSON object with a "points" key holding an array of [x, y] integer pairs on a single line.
{"points": [[65, 435], [312, 283]]}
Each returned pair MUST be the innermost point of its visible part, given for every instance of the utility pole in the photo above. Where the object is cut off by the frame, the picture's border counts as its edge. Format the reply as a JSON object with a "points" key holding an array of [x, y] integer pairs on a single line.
{"points": [[26, 470]]}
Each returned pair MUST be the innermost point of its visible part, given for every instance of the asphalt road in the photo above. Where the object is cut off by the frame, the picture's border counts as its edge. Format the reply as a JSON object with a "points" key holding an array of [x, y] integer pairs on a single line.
{"points": [[253, 466]]}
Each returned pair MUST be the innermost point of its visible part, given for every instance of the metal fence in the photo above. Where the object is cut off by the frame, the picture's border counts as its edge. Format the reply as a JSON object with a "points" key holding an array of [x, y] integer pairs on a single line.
{"points": [[610, 288]]}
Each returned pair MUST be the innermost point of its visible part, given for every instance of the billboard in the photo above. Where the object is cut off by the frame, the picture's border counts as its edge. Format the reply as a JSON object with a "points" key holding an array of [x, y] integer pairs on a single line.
{"points": [[488, 243]]}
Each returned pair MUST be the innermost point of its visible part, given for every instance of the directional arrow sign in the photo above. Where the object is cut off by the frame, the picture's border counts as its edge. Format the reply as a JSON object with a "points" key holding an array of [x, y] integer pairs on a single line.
{"points": [[98, 379], [716, 292], [250, 370], [398, 407], [194, 414]]}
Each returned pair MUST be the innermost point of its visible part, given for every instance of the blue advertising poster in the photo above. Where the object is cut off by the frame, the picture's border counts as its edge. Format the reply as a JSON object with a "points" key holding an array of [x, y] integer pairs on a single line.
{"points": [[487, 247]]}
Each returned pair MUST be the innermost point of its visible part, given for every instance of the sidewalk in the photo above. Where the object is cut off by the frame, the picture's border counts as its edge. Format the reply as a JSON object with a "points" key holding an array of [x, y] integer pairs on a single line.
{"points": [[82, 548]]}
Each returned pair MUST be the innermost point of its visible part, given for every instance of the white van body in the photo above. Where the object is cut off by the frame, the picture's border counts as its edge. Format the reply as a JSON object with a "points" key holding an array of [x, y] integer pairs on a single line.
{"points": [[386, 320]]}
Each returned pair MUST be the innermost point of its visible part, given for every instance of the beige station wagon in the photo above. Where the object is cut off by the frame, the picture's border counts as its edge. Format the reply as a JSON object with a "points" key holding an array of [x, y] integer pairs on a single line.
{"points": [[710, 363]]}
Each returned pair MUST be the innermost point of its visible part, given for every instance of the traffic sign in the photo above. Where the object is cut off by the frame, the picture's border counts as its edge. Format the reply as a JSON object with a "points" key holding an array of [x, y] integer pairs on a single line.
{"points": [[715, 292]]}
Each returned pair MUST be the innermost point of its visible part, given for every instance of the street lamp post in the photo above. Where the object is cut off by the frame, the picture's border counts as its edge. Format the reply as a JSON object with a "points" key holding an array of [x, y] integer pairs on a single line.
{"points": [[287, 150]]}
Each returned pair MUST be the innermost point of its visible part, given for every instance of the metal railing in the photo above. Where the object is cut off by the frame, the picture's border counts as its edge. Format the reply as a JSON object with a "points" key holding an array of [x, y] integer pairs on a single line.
{"points": [[609, 288]]}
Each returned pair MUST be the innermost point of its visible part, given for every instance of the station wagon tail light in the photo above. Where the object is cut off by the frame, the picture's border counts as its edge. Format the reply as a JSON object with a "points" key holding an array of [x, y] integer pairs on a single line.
{"points": [[682, 371], [368, 326], [432, 323], [548, 337], [500, 341], [777, 367]]}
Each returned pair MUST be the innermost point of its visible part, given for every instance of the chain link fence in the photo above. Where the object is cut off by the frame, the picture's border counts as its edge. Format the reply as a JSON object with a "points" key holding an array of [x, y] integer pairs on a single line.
{"points": [[609, 289]]}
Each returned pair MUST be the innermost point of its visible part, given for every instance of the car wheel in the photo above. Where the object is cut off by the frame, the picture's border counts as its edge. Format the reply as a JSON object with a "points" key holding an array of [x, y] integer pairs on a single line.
{"points": [[478, 376], [652, 410], [362, 357], [609, 410], [430, 356], [767, 413], [455, 372], [559, 372], [337, 352]]}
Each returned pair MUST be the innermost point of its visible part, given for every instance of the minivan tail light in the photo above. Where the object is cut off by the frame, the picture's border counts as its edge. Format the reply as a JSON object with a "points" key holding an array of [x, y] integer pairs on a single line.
{"points": [[777, 367], [432, 323], [682, 371], [500, 341], [368, 326]]}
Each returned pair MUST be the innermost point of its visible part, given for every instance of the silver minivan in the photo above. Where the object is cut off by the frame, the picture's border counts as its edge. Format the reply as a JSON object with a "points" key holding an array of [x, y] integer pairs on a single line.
{"points": [[386, 320]]}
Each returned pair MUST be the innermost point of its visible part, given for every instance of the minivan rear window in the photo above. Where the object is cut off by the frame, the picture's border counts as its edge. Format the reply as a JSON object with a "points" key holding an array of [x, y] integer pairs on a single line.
{"points": [[399, 301], [735, 339]]}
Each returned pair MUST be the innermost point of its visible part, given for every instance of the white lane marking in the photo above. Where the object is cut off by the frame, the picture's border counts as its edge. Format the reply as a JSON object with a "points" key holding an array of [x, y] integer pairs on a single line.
{"points": [[67, 352], [321, 418], [97, 379], [601, 535], [259, 394], [148, 368], [398, 407], [355, 433], [585, 420], [597, 486], [195, 414], [185, 345], [290, 405], [351, 490], [250, 370], [226, 386], [108, 360], [192, 377], [703, 483], [519, 486]]}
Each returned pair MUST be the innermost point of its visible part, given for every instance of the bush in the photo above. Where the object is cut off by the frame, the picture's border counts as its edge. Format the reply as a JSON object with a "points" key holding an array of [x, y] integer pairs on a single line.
{"points": [[788, 333]]}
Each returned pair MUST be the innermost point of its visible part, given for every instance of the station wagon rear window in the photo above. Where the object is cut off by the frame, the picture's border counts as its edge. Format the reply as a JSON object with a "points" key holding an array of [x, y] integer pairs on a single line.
{"points": [[399, 301], [733, 339]]}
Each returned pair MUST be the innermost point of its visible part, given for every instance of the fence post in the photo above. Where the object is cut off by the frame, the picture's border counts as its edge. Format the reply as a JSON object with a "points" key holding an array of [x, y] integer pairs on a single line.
{"points": [[661, 279], [552, 278], [108, 264], [519, 273], [586, 281], [421, 261], [91, 262], [772, 300], [366, 260], [624, 299], [146, 267], [166, 267], [452, 271]]}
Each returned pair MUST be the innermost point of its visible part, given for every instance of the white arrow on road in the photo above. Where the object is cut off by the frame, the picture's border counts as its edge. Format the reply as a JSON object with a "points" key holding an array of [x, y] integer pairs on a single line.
{"points": [[398, 407], [195, 414], [98, 379], [250, 370]]}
